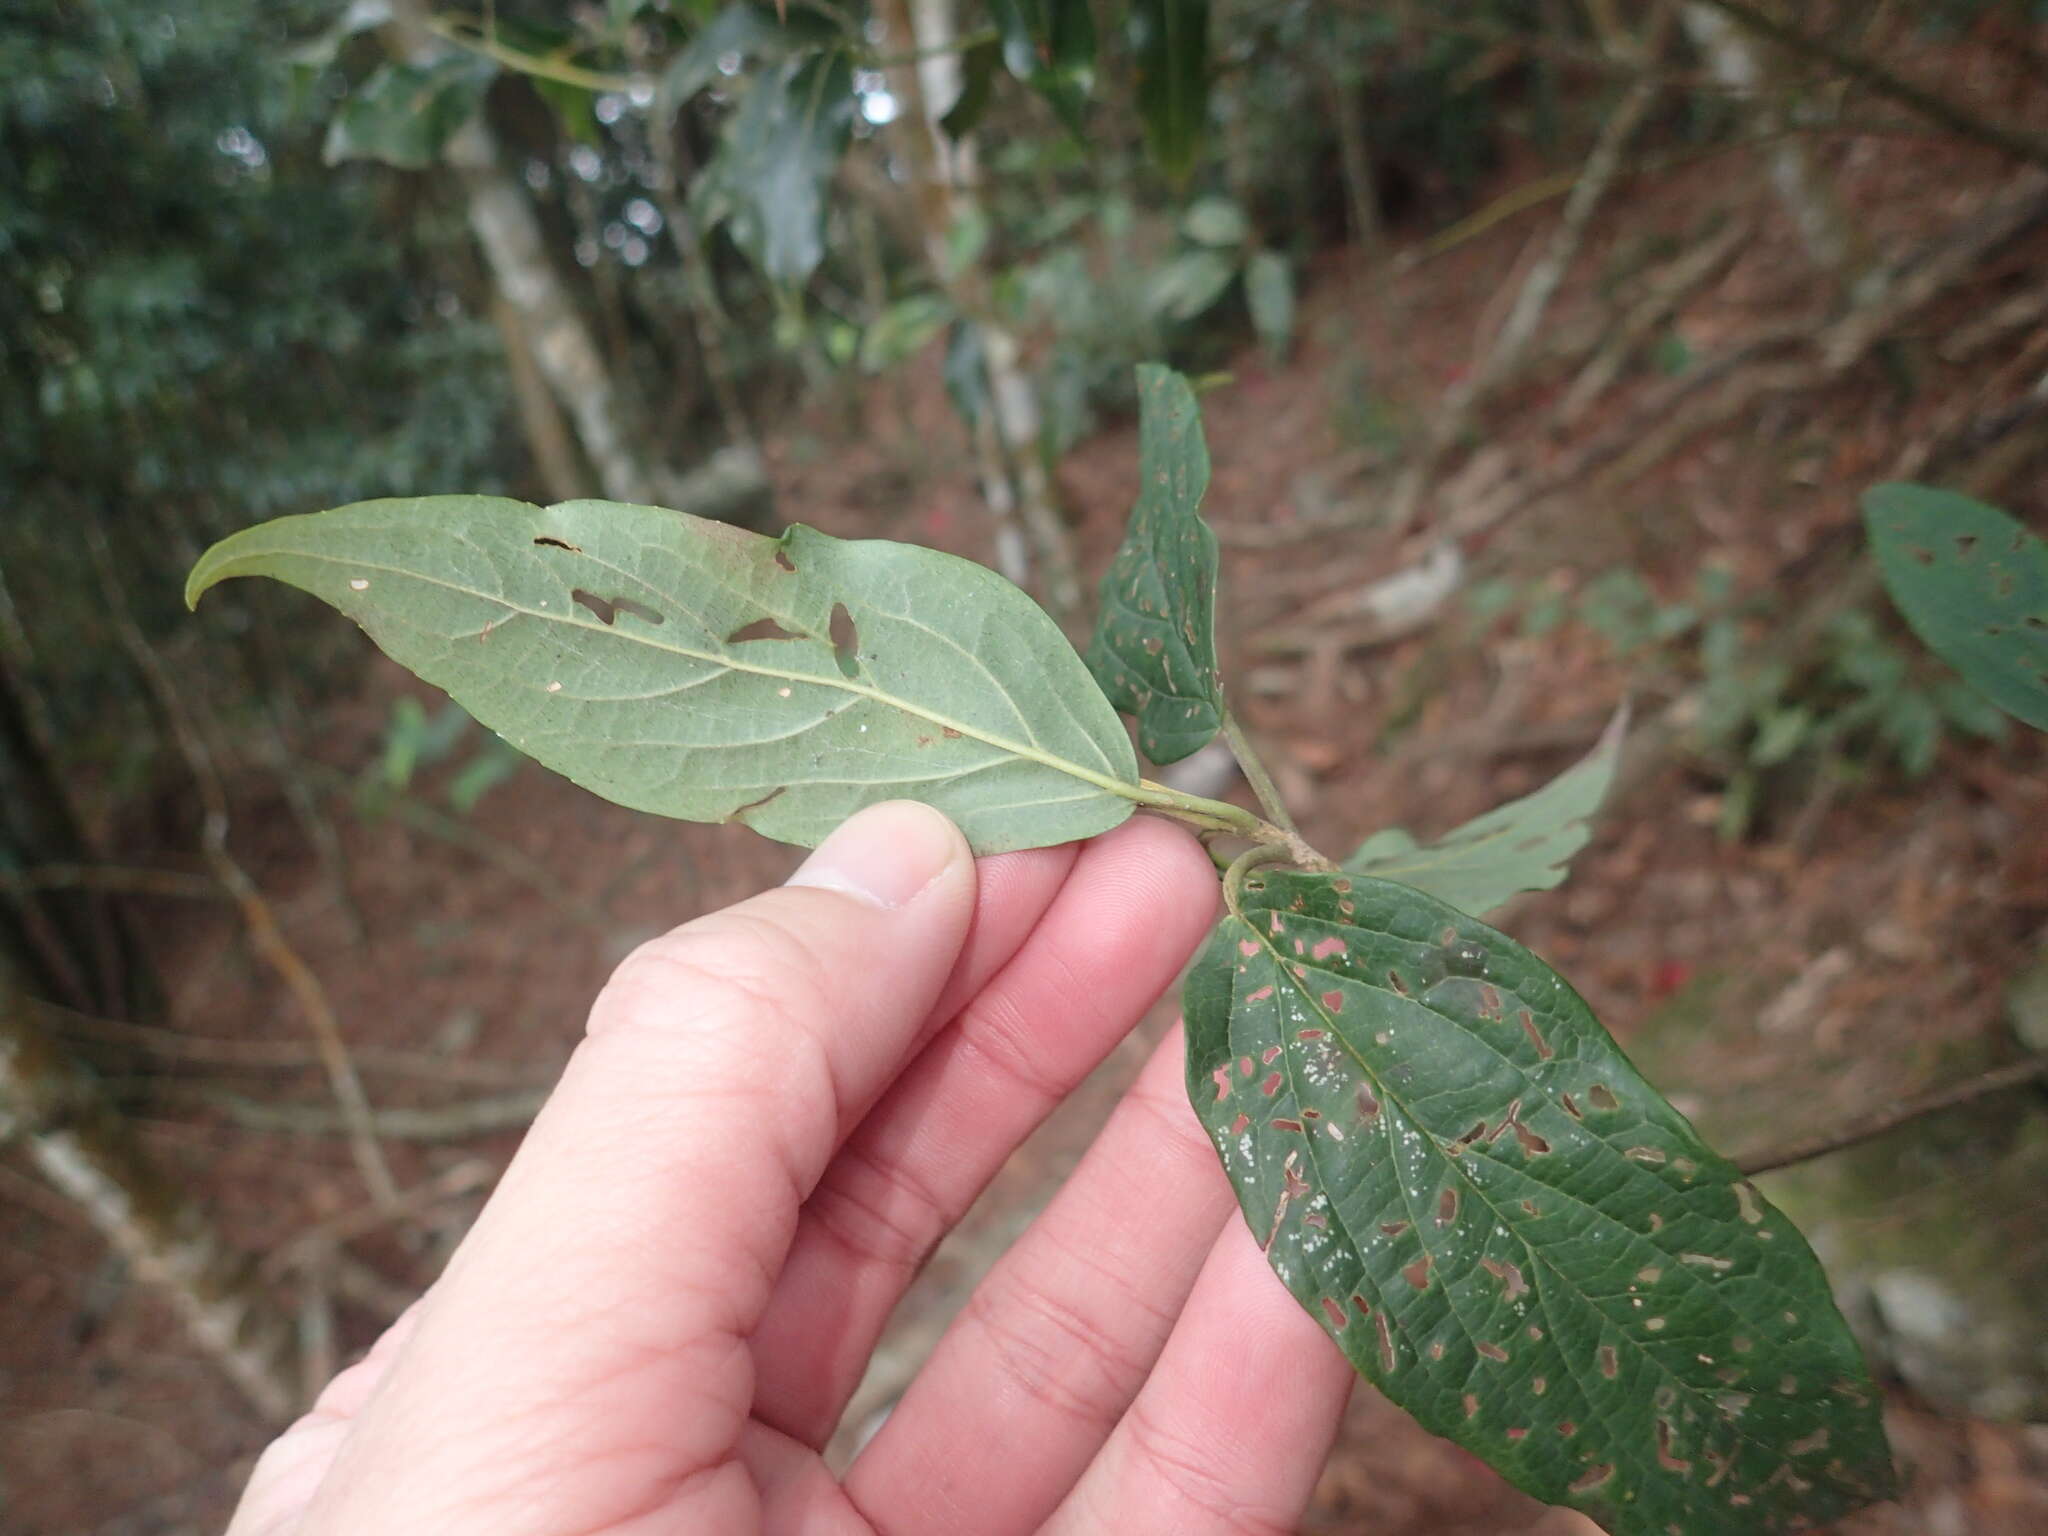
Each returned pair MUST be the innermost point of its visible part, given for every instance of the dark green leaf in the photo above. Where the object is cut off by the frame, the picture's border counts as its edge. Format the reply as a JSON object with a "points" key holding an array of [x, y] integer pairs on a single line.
{"points": [[575, 107], [404, 114], [1154, 650], [1269, 295], [1507, 1230], [1524, 845], [690, 668], [1973, 583], [740, 34], [1050, 46], [776, 161], [977, 90], [902, 329], [1170, 42]]}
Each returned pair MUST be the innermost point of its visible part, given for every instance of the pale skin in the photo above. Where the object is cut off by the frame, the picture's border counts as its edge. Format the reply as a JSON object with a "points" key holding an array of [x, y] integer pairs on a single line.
{"points": [[777, 1111]]}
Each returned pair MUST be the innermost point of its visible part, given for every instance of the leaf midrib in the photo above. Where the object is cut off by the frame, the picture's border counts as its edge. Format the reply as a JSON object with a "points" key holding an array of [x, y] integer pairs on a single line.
{"points": [[1119, 787]]}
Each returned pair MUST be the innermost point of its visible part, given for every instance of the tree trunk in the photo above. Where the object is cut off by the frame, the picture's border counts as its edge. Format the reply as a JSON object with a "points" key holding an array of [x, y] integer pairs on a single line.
{"points": [[78, 1141], [547, 430], [1014, 481]]}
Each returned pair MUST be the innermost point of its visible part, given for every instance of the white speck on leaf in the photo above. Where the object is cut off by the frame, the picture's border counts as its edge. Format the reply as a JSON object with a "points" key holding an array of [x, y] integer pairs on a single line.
{"points": [[359, 584], [554, 687]]}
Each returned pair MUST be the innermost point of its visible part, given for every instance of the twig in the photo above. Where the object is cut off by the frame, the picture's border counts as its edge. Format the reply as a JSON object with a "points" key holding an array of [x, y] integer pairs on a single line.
{"points": [[112, 877], [447, 1122], [265, 937], [1255, 775], [1879, 1122], [1873, 75]]}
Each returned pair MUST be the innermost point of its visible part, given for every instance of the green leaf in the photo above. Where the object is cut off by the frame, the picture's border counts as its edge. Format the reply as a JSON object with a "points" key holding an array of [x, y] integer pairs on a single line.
{"points": [[776, 161], [1215, 221], [738, 35], [1189, 284], [1050, 46], [977, 89], [1269, 295], [1973, 583], [1524, 845], [1170, 42], [405, 114], [1508, 1231], [902, 329], [1154, 650], [689, 668]]}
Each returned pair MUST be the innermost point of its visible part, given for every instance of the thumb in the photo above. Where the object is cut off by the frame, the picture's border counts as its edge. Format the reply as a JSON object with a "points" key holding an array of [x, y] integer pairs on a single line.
{"points": [[635, 1238]]}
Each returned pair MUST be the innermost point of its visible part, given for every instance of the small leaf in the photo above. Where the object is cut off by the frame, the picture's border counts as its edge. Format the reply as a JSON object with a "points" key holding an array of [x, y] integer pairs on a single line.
{"points": [[740, 34], [977, 89], [1215, 221], [1507, 1230], [405, 114], [1154, 650], [1050, 46], [1524, 845], [902, 330], [1170, 42], [1973, 583], [1189, 284], [692, 669], [768, 181], [1269, 295]]}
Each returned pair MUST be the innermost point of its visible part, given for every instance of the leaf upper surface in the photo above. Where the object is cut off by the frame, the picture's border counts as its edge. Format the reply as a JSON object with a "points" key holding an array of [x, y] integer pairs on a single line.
{"points": [[1507, 1230], [1973, 583], [692, 669], [1524, 845], [1154, 650]]}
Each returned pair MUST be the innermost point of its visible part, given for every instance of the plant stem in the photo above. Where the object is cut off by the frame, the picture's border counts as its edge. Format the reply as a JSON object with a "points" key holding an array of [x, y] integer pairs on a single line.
{"points": [[1255, 773], [1878, 1122], [531, 65], [1222, 816]]}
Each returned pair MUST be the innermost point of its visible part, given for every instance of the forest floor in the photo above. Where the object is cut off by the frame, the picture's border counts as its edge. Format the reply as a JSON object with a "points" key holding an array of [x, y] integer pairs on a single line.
{"points": [[1855, 942]]}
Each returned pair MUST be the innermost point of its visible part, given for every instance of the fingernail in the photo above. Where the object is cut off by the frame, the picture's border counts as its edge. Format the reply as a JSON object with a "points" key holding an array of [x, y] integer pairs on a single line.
{"points": [[883, 855]]}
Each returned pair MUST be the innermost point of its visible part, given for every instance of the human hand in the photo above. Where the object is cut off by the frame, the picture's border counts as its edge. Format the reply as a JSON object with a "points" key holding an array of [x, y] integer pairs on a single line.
{"points": [[778, 1110]]}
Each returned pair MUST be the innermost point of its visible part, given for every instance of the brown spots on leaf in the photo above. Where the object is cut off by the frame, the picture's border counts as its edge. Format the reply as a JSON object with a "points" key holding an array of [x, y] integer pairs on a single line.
{"points": [[1528, 1022], [1567, 1428], [1531, 1208], [1327, 947], [1510, 1275], [1602, 1097], [1489, 1002], [1240, 1125], [1649, 1274], [783, 562], [1334, 1311], [1539, 1385], [1653, 1324], [949, 733], [1310, 1034], [1748, 1202], [1667, 1457], [607, 609], [1446, 1207], [1417, 1274], [1491, 1350], [1280, 1124], [1247, 947], [1654, 1156], [1244, 1066], [762, 629], [1708, 1261], [1394, 980], [549, 541], [1368, 1106], [1393, 1228], [1570, 1106], [1270, 1054], [1379, 1322], [1806, 1446], [1436, 1350], [1592, 1477], [1608, 1361], [1471, 1406], [1334, 1001], [1221, 1077], [739, 813], [845, 641], [1364, 1307], [1261, 995], [1271, 1085]]}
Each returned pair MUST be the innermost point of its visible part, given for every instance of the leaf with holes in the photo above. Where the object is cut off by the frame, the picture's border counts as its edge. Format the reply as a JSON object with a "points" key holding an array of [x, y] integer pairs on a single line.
{"points": [[1524, 845], [1507, 1230], [1154, 650], [693, 669], [1973, 583]]}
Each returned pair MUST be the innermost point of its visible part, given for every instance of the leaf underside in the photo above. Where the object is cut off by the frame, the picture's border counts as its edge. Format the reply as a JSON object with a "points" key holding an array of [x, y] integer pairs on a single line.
{"points": [[1973, 583], [1524, 845], [689, 668], [1456, 1171], [1154, 649]]}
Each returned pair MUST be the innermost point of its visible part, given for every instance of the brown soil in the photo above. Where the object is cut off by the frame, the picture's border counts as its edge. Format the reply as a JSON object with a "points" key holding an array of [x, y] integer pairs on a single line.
{"points": [[1938, 890]]}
